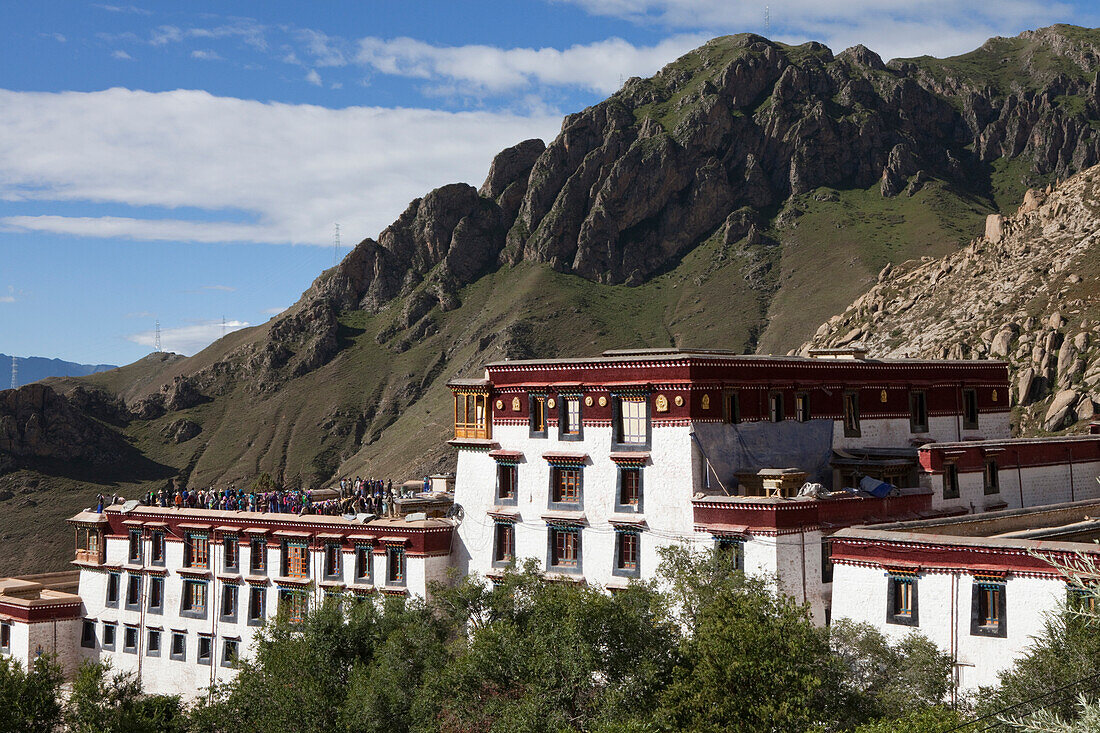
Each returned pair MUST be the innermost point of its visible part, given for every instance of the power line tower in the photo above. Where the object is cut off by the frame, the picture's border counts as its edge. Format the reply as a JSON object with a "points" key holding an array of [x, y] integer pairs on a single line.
{"points": [[336, 245], [767, 21], [157, 341], [14, 372]]}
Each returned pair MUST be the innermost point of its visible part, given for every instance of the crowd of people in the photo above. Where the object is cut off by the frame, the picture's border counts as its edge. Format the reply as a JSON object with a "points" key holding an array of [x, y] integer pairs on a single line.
{"points": [[353, 496]]}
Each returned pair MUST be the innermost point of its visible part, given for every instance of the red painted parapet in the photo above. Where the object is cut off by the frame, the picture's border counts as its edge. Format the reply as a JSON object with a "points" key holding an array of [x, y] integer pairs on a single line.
{"points": [[768, 514], [971, 456], [423, 537]]}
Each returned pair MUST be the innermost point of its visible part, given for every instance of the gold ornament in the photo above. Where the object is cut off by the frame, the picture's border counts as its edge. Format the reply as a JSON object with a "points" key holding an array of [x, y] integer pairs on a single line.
{"points": [[994, 395], [550, 403], [661, 403], [678, 400], [500, 404], [588, 401], [882, 396], [603, 401], [515, 404], [705, 402]]}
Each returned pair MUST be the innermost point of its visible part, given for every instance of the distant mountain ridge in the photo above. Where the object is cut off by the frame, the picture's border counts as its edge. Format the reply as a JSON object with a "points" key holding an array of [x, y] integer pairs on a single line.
{"points": [[33, 368], [737, 199]]}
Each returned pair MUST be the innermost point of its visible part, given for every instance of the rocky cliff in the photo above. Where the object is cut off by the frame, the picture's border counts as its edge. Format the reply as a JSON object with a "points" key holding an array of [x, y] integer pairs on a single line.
{"points": [[1026, 291]]}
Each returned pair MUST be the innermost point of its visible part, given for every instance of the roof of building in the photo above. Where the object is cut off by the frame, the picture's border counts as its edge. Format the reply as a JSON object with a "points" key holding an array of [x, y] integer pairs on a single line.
{"points": [[1011, 442], [252, 521]]}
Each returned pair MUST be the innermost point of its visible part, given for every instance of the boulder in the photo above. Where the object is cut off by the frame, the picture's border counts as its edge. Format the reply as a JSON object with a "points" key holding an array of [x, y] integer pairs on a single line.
{"points": [[1060, 413]]}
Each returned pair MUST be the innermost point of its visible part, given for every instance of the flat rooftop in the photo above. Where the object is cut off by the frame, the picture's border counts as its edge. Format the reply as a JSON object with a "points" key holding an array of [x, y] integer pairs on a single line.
{"points": [[832, 358], [218, 516]]}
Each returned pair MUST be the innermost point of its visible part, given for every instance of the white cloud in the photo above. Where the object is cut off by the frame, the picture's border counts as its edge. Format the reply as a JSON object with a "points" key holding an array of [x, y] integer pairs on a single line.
{"points": [[600, 67], [187, 340], [893, 28], [247, 30], [223, 288], [55, 36], [10, 297], [313, 77], [325, 50], [121, 55], [291, 169], [206, 55], [123, 9]]}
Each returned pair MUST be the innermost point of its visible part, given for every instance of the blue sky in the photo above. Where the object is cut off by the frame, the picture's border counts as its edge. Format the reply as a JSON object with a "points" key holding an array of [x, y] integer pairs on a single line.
{"points": [[188, 162]]}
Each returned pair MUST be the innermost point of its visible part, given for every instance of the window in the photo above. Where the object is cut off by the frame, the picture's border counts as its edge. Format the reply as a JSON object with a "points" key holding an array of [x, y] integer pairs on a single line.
{"points": [[5, 637], [133, 591], [229, 551], [1081, 599], [195, 551], [130, 640], [537, 405], [156, 548], [87, 635], [333, 566], [293, 603], [156, 594], [569, 421], [194, 599], [565, 549], [179, 646], [230, 652], [565, 485], [395, 566], [112, 589], [987, 609], [630, 489], [627, 545], [297, 561], [775, 407], [504, 543], [826, 560], [363, 562], [109, 631], [992, 477], [851, 415], [631, 421], [152, 643], [87, 545], [135, 546], [205, 643], [802, 407], [918, 412], [734, 548], [255, 605], [732, 407], [950, 481], [471, 415], [901, 601], [257, 551], [229, 603], [970, 409], [506, 483]]}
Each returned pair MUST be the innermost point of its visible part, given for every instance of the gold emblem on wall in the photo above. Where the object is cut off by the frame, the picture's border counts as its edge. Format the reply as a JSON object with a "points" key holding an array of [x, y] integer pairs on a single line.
{"points": [[588, 401], [882, 396], [603, 401], [500, 404], [515, 404], [994, 395], [678, 401], [661, 403], [550, 403], [705, 402]]}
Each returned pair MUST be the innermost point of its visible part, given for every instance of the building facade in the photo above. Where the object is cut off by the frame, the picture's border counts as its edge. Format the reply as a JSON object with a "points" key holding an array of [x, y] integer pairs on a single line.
{"points": [[176, 596], [980, 586], [591, 466]]}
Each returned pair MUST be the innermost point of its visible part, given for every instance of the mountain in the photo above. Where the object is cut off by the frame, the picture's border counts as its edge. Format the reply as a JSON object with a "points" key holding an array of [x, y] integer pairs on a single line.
{"points": [[1027, 291], [33, 368], [739, 198]]}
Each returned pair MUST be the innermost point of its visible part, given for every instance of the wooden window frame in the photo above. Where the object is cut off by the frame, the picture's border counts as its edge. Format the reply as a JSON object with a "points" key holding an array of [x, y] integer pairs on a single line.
{"points": [[134, 547], [197, 551], [504, 544], [564, 549], [991, 477], [476, 425], [537, 419], [254, 592], [628, 551], [987, 610], [851, 418], [918, 411], [364, 564], [396, 572], [334, 561], [970, 399], [622, 502], [620, 422], [257, 555], [901, 601], [951, 488], [511, 471], [566, 486], [231, 597], [297, 560], [777, 409], [566, 417], [231, 553], [731, 406], [156, 599], [802, 412], [195, 599], [156, 547]]}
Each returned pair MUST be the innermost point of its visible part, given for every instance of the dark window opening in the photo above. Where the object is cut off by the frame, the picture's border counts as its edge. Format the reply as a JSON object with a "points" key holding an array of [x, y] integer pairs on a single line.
{"points": [[992, 478], [627, 553], [918, 412], [504, 543], [970, 409], [950, 481], [775, 407], [851, 415], [733, 408], [506, 482]]}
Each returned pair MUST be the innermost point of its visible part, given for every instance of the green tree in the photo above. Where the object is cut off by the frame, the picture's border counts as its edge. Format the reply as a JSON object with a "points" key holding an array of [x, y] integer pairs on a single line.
{"points": [[927, 720], [102, 702], [548, 656], [29, 699]]}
